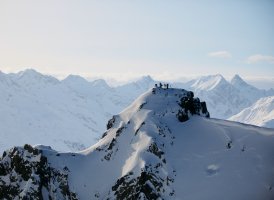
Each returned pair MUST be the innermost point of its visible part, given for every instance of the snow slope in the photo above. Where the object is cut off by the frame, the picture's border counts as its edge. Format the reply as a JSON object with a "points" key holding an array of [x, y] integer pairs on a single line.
{"points": [[70, 115], [147, 153], [261, 113], [134, 89], [248, 91], [225, 99]]}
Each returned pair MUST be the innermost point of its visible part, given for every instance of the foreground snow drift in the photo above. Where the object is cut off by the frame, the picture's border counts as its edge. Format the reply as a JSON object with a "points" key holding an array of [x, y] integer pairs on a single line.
{"points": [[147, 153]]}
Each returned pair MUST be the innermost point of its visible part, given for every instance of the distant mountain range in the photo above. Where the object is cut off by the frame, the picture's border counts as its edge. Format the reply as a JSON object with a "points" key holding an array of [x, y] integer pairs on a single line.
{"points": [[163, 146], [71, 114], [226, 98], [261, 113]]}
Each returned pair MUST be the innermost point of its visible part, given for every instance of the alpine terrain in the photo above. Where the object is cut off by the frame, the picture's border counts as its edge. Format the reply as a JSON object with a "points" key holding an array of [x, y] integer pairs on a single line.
{"points": [[261, 113], [224, 98], [69, 115], [163, 146]]}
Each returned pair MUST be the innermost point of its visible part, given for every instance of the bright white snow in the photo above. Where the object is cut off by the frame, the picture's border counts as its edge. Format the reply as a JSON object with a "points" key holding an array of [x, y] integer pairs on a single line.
{"points": [[224, 98], [206, 158], [261, 113], [68, 115], [71, 114]]}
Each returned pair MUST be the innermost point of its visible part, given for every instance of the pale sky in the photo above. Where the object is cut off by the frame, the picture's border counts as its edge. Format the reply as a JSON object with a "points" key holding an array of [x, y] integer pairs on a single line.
{"points": [[129, 38]]}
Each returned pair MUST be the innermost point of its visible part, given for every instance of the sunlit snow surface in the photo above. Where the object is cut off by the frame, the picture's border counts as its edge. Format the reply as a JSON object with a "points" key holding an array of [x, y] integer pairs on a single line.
{"points": [[205, 158], [68, 115], [261, 113], [71, 115]]}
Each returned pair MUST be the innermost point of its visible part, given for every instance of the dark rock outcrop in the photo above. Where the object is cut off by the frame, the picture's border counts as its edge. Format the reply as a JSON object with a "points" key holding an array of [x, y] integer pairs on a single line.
{"points": [[191, 106], [26, 174]]}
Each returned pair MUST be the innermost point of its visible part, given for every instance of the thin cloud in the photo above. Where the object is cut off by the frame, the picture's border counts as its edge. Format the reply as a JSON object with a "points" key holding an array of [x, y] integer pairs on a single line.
{"points": [[220, 54], [260, 58]]}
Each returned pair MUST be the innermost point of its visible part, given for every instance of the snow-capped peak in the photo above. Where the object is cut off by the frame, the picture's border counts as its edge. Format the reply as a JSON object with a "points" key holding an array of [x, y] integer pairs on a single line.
{"points": [[29, 72], [32, 78], [150, 151], [209, 82], [239, 83], [144, 82], [147, 79], [100, 83], [75, 79], [237, 80]]}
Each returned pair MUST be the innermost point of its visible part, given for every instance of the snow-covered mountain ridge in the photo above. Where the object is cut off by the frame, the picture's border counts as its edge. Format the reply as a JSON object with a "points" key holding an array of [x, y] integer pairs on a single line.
{"points": [[70, 114], [160, 147], [225, 98], [261, 113]]}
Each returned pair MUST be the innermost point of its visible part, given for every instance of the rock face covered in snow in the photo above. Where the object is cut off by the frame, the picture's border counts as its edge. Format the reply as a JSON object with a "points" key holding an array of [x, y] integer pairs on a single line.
{"points": [[26, 174], [149, 152], [191, 105]]}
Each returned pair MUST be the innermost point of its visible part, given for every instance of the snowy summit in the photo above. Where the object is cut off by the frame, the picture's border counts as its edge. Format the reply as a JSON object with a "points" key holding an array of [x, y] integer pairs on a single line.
{"points": [[163, 146]]}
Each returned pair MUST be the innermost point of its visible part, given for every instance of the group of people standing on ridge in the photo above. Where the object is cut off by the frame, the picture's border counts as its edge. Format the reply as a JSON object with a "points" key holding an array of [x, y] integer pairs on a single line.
{"points": [[166, 85]]}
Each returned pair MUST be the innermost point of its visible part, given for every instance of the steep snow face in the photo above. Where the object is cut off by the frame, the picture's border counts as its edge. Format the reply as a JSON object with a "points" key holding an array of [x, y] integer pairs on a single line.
{"points": [[248, 91], [238, 82], [225, 99], [147, 153], [261, 113], [33, 80], [222, 98], [69, 115], [209, 82]]}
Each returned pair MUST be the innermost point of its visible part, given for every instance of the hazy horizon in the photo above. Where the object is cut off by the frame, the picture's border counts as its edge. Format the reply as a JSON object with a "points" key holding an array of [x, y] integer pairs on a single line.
{"points": [[124, 39], [259, 82]]}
